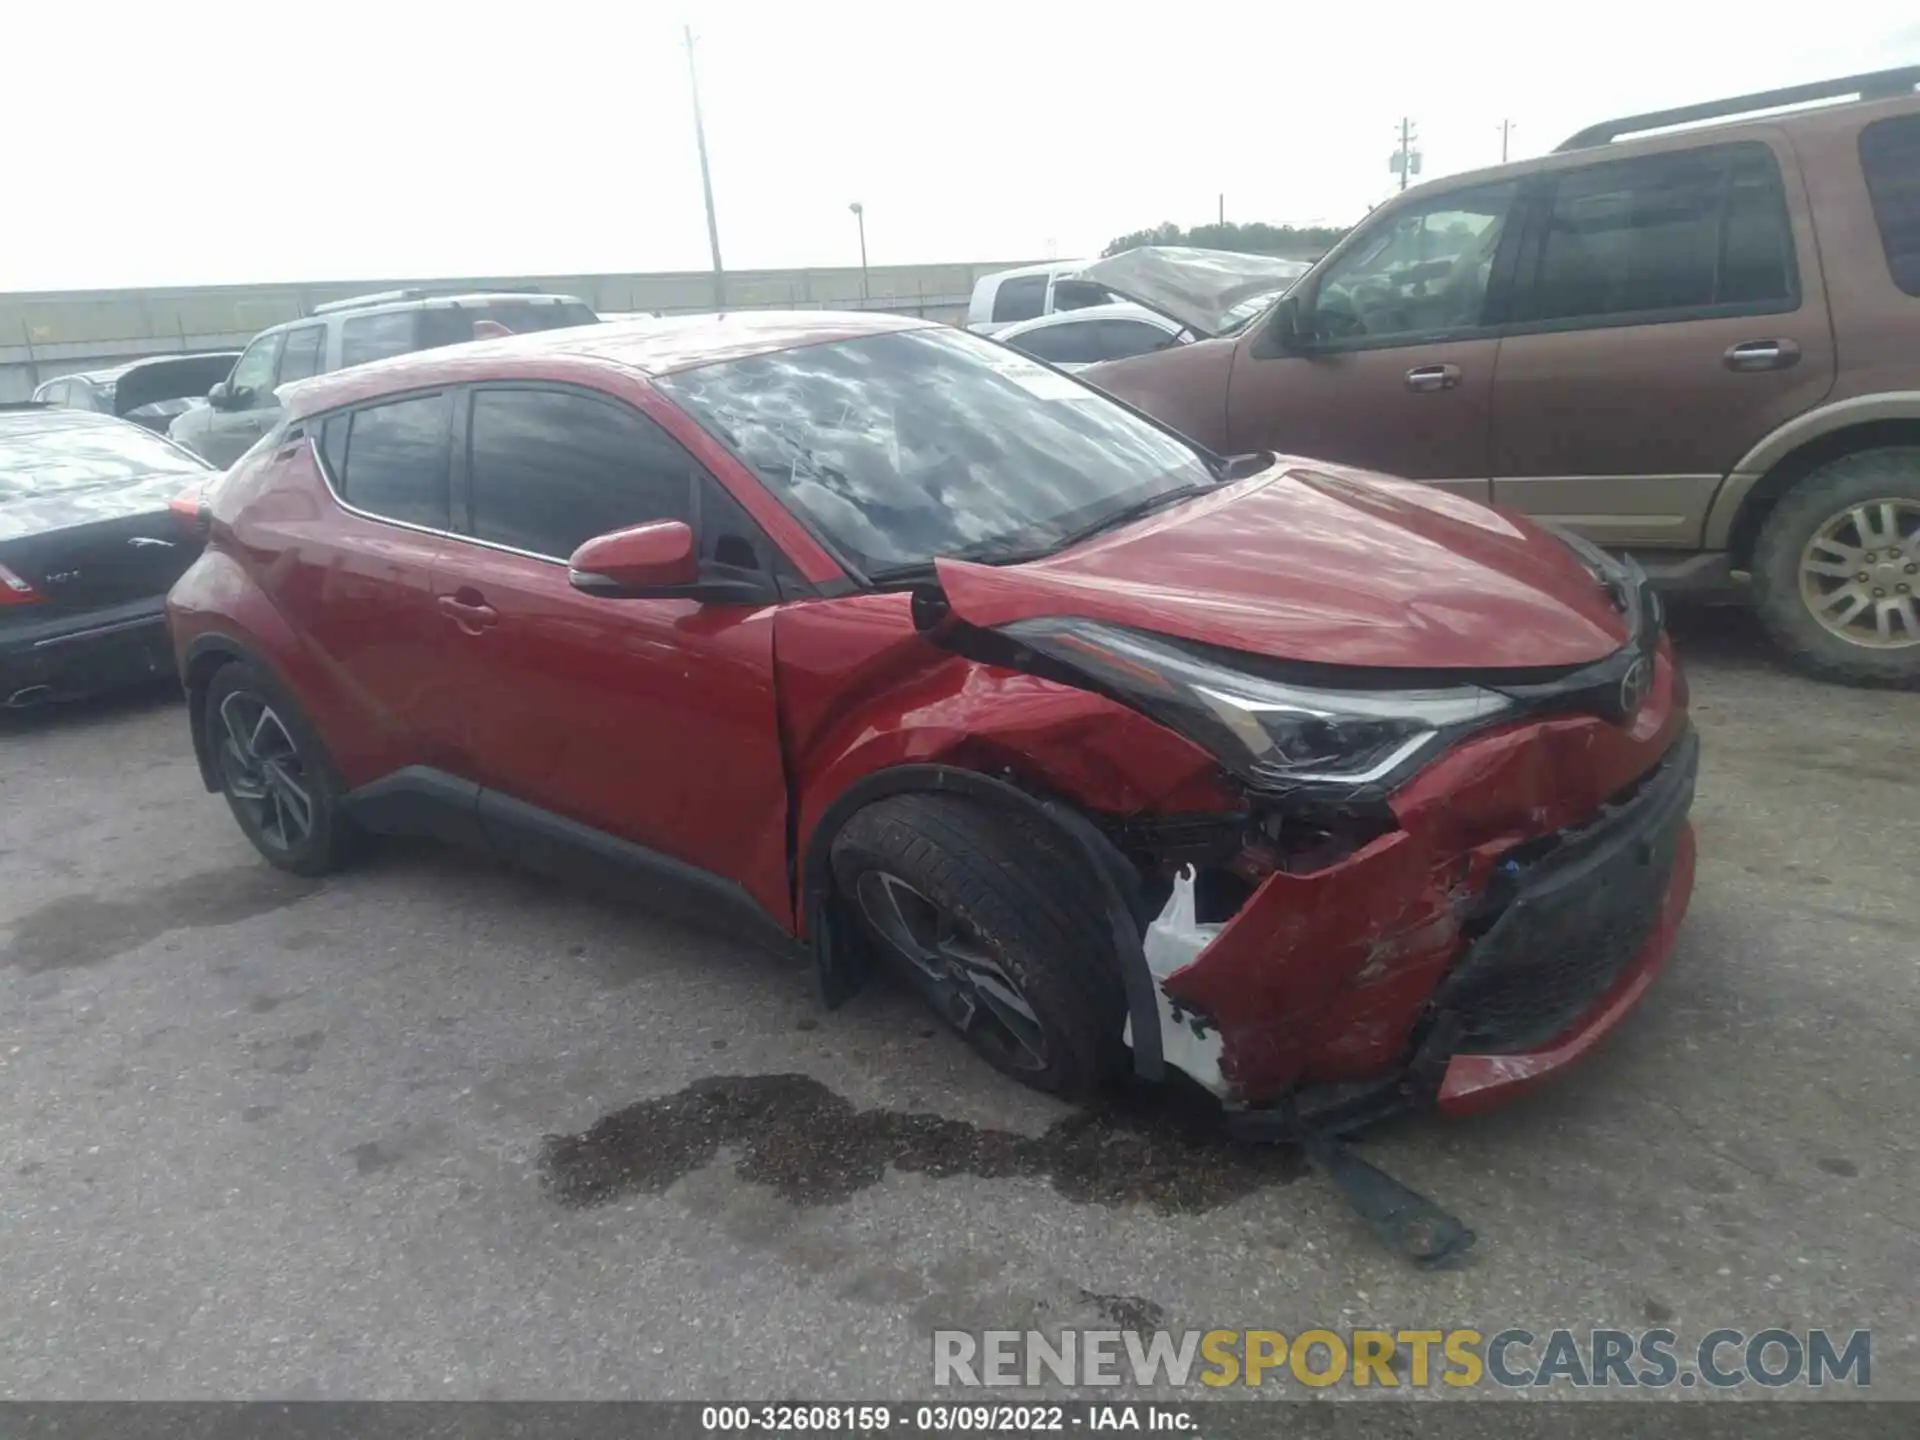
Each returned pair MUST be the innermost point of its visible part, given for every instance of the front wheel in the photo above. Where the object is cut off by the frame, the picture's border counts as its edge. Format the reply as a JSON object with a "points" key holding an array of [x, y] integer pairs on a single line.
{"points": [[994, 924], [274, 772], [1837, 569]]}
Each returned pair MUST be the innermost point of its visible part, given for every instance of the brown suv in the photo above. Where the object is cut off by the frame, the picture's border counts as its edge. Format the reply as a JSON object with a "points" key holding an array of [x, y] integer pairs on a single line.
{"points": [[1700, 346]]}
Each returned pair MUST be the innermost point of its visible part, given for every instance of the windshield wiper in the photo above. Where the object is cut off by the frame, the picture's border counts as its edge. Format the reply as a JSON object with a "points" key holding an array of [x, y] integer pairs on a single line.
{"points": [[1113, 519]]}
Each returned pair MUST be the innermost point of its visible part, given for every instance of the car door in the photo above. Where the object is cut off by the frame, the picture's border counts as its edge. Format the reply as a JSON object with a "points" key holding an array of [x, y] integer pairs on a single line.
{"points": [[651, 721], [229, 430], [355, 580], [1389, 361], [1666, 317]]}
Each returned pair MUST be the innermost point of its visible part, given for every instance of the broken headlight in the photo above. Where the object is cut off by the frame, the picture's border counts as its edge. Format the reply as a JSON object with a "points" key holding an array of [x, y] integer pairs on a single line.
{"points": [[1273, 734]]}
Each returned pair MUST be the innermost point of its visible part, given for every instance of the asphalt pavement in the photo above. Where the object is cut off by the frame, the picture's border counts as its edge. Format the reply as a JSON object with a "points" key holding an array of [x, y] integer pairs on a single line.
{"points": [[436, 1129]]}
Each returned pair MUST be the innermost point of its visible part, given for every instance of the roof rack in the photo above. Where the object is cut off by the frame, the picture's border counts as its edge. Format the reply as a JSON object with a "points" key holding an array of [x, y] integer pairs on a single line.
{"points": [[1880, 85], [358, 302]]}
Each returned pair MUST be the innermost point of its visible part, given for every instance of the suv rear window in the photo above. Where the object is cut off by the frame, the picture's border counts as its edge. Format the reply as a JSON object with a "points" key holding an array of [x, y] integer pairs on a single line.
{"points": [[1890, 155]]}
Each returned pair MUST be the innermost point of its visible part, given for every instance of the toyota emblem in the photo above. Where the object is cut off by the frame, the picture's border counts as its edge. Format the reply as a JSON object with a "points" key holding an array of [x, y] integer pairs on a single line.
{"points": [[1634, 686]]}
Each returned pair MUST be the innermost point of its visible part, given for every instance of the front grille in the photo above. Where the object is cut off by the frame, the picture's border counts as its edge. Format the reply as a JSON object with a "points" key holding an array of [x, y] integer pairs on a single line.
{"points": [[1576, 918]]}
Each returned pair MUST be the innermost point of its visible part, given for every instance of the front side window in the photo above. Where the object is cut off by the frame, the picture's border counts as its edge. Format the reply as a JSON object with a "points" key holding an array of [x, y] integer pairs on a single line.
{"points": [[1074, 343], [551, 469], [903, 447], [391, 460], [251, 382], [365, 338], [1421, 272], [1890, 155], [1673, 232], [1022, 298], [302, 354]]}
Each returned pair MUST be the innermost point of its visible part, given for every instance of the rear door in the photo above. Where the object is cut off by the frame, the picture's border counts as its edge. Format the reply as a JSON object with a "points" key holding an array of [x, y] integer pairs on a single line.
{"points": [[1393, 369], [1667, 315], [652, 721]]}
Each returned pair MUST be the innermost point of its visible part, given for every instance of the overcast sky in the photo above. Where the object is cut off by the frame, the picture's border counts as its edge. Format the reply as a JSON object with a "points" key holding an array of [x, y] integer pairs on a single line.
{"points": [[207, 142]]}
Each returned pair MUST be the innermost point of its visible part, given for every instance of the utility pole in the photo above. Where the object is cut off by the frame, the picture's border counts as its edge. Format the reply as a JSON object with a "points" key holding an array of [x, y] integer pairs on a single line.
{"points": [[706, 181], [1505, 127], [860, 214], [1223, 209], [1405, 161]]}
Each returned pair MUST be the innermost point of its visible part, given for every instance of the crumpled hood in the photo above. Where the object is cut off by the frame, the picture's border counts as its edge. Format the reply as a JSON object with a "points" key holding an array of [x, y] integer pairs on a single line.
{"points": [[1196, 287], [1323, 564]]}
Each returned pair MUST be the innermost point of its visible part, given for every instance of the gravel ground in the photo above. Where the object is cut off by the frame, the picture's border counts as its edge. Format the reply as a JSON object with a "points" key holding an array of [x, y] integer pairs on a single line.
{"points": [[271, 1138]]}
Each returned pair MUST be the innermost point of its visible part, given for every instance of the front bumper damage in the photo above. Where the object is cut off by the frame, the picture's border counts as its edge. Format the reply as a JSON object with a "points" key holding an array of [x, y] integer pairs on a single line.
{"points": [[1529, 894]]}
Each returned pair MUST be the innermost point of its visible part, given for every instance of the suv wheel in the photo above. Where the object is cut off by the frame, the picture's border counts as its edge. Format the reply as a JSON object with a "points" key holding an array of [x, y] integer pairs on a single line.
{"points": [[1837, 569], [991, 925], [275, 774]]}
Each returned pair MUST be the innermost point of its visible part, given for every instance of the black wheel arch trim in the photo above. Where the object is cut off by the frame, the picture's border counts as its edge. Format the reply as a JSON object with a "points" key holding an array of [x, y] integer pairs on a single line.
{"points": [[837, 963], [212, 642]]}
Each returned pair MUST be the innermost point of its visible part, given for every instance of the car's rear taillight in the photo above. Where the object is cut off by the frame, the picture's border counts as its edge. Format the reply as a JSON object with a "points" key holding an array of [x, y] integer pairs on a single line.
{"points": [[191, 509], [15, 591]]}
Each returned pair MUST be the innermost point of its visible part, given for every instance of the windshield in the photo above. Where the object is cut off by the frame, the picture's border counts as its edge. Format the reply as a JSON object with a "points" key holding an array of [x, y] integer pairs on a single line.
{"points": [[905, 447], [1249, 310], [46, 459]]}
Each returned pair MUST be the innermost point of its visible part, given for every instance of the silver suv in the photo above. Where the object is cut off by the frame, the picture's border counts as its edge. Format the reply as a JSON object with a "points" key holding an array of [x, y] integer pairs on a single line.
{"points": [[242, 408]]}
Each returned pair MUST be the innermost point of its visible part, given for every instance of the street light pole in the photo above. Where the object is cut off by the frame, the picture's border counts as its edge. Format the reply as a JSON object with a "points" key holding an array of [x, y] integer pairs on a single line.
{"points": [[860, 214], [706, 181]]}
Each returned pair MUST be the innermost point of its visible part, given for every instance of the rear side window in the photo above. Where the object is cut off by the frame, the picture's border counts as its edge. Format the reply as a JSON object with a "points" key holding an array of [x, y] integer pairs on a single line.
{"points": [[365, 338], [452, 324], [1890, 155], [1022, 298], [1122, 338], [1077, 295], [1685, 231], [548, 470], [391, 460], [301, 357]]}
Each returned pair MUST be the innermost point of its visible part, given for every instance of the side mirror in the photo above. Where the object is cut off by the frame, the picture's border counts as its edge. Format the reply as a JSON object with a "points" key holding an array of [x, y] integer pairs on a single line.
{"points": [[220, 397], [1284, 334], [656, 561]]}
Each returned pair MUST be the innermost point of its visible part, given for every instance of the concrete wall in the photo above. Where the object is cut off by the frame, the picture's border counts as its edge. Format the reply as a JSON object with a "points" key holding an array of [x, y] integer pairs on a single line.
{"points": [[46, 334]]}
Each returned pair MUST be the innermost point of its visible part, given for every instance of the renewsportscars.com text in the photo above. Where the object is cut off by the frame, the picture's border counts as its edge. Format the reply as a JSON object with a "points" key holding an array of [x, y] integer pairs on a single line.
{"points": [[1461, 1358]]}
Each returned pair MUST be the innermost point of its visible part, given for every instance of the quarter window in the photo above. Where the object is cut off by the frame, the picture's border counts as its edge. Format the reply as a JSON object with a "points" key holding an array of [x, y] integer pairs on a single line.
{"points": [[551, 469], [1890, 155], [301, 357], [1022, 298], [1672, 232], [391, 460]]}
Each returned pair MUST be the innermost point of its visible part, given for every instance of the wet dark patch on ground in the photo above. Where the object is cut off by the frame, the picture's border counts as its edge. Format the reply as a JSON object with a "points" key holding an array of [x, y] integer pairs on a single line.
{"points": [[88, 929], [1129, 1312], [813, 1148]]}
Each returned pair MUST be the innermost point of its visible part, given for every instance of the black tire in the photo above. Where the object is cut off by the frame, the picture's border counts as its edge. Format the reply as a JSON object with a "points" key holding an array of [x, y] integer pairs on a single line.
{"points": [[1023, 898], [328, 840], [1821, 497]]}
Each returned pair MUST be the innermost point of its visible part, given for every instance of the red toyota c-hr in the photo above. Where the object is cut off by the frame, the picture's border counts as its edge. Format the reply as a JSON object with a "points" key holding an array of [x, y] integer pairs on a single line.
{"points": [[1338, 793]]}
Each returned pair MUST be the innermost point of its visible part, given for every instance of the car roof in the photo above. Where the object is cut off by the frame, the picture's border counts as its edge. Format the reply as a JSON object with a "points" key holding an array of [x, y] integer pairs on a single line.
{"points": [[61, 417], [426, 302], [645, 346], [1044, 267], [1114, 310]]}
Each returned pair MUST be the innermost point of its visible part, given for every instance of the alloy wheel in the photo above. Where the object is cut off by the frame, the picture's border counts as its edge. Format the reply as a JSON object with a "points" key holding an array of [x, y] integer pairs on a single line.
{"points": [[1860, 574], [263, 771], [963, 978]]}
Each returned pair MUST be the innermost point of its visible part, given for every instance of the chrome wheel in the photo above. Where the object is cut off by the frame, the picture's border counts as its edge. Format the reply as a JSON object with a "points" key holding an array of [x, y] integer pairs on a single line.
{"points": [[263, 772], [1860, 574], [962, 977]]}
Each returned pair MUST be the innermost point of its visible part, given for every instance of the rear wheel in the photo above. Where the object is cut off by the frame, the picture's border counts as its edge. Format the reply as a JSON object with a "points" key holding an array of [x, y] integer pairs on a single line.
{"points": [[996, 927], [1837, 569], [274, 772]]}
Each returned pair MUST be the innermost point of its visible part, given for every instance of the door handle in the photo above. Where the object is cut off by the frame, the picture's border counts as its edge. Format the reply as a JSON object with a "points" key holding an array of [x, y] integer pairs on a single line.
{"points": [[1433, 377], [472, 616], [1762, 355]]}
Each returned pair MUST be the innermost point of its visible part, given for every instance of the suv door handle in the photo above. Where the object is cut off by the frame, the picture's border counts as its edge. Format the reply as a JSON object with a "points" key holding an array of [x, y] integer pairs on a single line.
{"points": [[471, 615], [1433, 377], [1762, 355]]}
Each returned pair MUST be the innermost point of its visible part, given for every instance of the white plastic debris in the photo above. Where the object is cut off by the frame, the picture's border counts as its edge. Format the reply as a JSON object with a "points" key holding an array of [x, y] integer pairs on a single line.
{"points": [[1172, 941]]}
